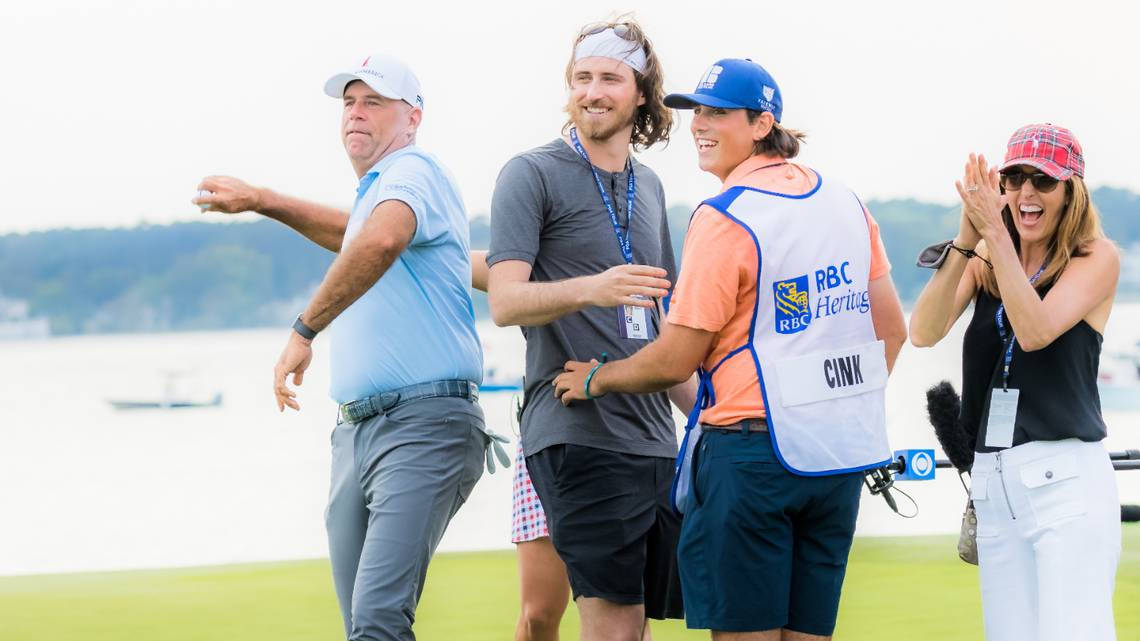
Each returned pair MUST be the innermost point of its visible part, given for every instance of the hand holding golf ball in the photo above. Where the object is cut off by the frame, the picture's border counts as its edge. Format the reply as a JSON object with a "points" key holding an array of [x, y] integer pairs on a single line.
{"points": [[227, 195], [203, 193]]}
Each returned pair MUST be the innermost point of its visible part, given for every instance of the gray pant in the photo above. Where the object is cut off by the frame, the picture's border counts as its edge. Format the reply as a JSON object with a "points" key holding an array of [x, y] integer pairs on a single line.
{"points": [[397, 479]]}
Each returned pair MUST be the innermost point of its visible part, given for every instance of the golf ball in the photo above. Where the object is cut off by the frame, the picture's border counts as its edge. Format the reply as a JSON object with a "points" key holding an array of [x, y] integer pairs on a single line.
{"points": [[201, 193]]}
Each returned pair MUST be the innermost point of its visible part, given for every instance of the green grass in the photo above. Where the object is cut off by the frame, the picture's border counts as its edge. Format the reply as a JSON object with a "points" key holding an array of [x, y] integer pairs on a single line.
{"points": [[896, 588]]}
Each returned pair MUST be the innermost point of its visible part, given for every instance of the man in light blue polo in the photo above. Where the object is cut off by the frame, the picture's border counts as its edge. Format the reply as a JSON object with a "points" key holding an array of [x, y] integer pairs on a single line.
{"points": [[406, 361]]}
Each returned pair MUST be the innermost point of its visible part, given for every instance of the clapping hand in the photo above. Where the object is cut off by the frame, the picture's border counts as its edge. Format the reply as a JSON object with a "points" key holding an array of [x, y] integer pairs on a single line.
{"points": [[982, 201]]}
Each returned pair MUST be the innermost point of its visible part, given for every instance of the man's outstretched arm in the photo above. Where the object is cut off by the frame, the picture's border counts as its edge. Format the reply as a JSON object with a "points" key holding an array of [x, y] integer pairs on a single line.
{"points": [[381, 240], [321, 224]]}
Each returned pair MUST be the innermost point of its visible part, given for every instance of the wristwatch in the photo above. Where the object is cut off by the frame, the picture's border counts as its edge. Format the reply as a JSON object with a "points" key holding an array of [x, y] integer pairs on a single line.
{"points": [[304, 330]]}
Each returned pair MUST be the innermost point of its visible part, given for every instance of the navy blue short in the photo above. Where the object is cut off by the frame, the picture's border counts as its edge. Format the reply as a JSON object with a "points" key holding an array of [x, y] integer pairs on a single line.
{"points": [[762, 548]]}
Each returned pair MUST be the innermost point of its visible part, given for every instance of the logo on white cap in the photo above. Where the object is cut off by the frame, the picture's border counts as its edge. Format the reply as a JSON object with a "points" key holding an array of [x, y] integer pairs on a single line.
{"points": [[711, 76], [388, 76]]}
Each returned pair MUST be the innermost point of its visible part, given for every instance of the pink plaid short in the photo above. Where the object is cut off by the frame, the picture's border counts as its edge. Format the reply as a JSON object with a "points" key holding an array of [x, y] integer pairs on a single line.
{"points": [[529, 520]]}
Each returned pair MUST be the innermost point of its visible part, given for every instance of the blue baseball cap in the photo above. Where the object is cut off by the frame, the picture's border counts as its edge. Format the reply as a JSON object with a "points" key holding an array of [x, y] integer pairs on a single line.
{"points": [[733, 83]]}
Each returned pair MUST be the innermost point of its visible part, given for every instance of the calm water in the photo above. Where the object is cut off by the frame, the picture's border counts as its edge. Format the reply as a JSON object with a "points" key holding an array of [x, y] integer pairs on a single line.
{"points": [[85, 487]]}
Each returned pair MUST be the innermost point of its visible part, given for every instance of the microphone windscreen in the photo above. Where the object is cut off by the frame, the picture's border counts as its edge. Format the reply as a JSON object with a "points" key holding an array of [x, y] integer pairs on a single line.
{"points": [[1130, 513], [943, 407]]}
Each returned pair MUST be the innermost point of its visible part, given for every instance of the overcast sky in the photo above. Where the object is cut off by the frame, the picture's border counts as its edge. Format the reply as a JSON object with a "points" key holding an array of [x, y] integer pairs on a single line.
{"points": [[112, 111]]}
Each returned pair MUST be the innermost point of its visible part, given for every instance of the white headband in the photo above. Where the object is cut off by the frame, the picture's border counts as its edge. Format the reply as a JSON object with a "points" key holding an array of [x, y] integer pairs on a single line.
{"points": [[608, 44]]}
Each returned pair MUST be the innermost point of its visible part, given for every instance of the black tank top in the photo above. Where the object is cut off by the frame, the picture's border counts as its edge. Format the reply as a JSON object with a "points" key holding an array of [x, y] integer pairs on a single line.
{"points": [[1057, 385]]}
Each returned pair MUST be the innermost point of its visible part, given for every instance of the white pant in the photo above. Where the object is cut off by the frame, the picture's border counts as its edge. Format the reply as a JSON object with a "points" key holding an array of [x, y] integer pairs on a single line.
{"points": [[1048, 541]]}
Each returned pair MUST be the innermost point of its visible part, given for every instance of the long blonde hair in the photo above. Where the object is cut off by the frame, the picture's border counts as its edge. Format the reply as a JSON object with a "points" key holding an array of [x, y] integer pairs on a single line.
{"points": [[1079, 226]]}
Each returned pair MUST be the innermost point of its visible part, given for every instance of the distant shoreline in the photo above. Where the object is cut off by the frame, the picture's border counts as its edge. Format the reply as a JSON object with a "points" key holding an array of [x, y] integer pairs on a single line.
{"points": [[204, 276], [1128, 299]]}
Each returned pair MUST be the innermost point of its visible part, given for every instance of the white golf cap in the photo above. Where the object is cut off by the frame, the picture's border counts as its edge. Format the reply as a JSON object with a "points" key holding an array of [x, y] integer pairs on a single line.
{"points": [[387, 76]]}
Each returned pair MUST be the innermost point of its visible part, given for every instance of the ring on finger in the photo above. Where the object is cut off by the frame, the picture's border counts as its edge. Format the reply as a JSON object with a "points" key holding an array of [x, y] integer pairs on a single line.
{"points": [[971, 188]]}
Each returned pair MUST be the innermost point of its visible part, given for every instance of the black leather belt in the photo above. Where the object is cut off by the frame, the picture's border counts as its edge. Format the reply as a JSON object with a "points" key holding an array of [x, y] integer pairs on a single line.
{"points": [[740, 427], [366, 408]]}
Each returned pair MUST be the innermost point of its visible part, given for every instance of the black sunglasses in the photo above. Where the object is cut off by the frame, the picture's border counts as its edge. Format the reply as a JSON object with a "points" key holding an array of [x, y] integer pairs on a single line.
{"points": [[1043, 183]]}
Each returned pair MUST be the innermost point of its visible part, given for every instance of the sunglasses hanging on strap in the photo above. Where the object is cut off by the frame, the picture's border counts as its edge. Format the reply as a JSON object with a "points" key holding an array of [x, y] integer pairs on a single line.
{"points": [[933, 256]]}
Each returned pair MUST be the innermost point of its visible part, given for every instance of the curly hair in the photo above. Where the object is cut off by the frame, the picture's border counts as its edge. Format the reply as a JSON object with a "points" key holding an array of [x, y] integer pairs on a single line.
{"points": [[653, 120]]}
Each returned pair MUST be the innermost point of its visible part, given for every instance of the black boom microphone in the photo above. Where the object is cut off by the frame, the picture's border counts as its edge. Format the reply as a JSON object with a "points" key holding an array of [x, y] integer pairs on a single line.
{"points": [[944, 407]]}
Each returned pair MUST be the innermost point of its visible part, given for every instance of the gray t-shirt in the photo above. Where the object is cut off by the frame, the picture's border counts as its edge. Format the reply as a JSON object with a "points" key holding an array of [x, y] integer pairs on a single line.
{"points": [[547, 211]]}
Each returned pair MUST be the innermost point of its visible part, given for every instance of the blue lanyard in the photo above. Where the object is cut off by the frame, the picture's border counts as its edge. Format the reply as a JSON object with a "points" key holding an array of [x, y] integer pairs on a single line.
{"points": [[631, 188], [998, 317]]}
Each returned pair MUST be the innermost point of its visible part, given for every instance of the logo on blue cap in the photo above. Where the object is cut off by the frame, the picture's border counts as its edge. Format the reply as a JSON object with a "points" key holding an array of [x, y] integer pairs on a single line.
{"points": [[709, 81], [733, 83]]}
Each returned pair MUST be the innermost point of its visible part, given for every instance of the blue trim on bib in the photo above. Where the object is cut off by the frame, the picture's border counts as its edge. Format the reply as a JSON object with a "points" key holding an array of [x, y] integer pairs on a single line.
{"points": [[720, 202], [866, 215], [866, 223], [818, 184], [714, 203]]}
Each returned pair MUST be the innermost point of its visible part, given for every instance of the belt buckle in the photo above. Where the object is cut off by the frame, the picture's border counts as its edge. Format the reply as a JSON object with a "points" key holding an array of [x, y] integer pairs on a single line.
{"points": [[346, 412], [356, 411]]}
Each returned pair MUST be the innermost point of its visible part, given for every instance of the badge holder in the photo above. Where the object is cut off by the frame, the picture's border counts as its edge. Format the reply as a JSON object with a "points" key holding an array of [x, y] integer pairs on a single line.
{"points": [[1003, 417], [634, 322]]}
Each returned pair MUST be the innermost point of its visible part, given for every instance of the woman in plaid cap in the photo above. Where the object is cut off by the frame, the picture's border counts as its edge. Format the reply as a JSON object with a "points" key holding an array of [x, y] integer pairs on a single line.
{"points": [[1032, 257]]}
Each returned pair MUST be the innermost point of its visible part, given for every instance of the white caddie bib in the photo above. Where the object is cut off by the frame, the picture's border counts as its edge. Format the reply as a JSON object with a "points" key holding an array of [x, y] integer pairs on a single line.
{"points": [[822, 371]]}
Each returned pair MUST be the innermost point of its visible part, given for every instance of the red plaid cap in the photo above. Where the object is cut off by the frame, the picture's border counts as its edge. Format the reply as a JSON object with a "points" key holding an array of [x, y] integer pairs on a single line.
{"points": [[1052, 149]]}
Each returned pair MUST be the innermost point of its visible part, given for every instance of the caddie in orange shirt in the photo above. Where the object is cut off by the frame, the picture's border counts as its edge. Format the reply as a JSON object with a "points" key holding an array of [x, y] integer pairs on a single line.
{"points": [[785, 308]]}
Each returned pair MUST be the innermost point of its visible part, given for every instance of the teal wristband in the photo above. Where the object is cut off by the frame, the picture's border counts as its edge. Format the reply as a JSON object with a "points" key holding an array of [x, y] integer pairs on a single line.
{"points": [[590, 377]]}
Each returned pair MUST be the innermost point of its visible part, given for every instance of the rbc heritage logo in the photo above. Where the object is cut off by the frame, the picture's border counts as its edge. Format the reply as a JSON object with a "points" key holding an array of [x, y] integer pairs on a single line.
{"points": [[793, 311]]}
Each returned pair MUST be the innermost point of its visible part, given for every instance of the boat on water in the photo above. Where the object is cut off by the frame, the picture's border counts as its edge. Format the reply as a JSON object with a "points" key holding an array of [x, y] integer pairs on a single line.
{"points": [[165, 403], [1118, 380], [170, 399]]}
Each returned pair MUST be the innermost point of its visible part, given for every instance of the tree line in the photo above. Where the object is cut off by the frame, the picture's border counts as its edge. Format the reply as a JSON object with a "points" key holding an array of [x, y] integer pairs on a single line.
{"points": [[199, 276]]}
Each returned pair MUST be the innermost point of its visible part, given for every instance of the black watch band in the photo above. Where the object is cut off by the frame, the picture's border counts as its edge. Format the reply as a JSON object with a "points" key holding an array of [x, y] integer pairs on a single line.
{"points": [[304, 330]]}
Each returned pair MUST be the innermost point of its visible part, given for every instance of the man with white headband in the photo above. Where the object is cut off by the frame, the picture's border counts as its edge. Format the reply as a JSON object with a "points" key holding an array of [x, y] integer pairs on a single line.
{"points": [[409, 442], [580, 252]]}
